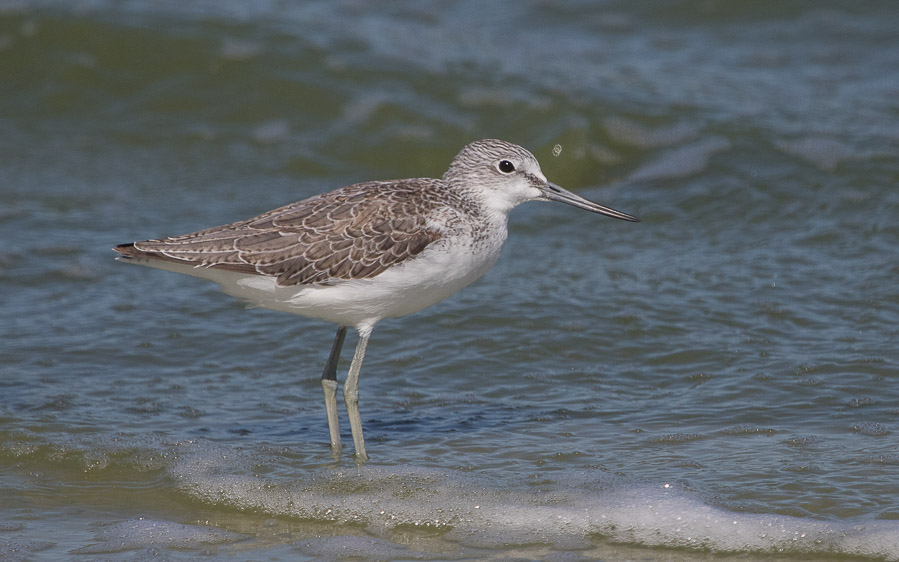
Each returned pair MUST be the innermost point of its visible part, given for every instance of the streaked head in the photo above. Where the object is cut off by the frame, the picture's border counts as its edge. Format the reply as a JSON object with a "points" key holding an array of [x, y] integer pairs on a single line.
{"points": [[510, 175]]}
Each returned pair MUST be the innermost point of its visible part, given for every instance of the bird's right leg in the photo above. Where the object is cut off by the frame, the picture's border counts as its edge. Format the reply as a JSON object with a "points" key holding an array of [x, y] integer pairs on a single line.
{"points": [[329, 385], [351, 394]]}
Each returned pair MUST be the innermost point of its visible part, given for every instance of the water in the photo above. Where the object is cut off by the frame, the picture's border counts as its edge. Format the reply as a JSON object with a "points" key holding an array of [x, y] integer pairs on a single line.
{"points": [[721, 379]]}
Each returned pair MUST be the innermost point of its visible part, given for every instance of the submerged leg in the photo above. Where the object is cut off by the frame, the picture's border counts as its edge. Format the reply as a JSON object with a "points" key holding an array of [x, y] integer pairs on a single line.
{"points": [[351, 394], [329, 385]]}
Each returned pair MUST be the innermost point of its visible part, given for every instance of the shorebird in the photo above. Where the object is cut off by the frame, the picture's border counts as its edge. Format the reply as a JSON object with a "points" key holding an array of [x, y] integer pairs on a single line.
{"points": [[367, 251]]}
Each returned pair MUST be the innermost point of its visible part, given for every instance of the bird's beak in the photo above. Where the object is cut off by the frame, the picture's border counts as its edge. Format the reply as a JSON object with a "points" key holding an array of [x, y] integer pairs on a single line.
{"points": [[553, 192]]}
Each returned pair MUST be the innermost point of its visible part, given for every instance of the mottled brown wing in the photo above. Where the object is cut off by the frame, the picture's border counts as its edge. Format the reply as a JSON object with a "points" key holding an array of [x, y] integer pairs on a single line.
{"points": [[355, 232]]}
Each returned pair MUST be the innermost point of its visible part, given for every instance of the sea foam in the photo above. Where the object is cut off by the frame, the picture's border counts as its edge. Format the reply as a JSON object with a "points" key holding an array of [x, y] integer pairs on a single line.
{"points": [[572, 511]]}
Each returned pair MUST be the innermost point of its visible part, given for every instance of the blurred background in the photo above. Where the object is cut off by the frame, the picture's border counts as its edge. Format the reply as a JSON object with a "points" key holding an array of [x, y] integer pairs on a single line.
{"points": [[720, 379]]}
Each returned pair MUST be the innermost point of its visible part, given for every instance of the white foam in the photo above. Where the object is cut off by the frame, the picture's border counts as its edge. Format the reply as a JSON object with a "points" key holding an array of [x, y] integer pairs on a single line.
{"points": [[567, 513], [143, 533], [14, 550]]}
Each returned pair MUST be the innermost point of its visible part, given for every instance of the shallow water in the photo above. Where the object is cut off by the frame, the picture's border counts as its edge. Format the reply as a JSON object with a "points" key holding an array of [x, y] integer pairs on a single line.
{"points": [[721, 379]]}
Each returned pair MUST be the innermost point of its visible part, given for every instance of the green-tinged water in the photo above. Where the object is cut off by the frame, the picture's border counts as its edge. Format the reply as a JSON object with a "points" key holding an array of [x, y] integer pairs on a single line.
{"points": [[721, 379]]}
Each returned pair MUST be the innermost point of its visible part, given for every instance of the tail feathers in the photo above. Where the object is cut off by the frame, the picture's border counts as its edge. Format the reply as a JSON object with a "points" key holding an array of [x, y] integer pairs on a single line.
{"points": [[127, 250], [130, 251]]}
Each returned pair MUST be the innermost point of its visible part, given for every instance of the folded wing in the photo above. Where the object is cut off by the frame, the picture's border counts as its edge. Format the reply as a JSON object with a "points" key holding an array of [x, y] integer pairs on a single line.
{"points": [[355, 232]]}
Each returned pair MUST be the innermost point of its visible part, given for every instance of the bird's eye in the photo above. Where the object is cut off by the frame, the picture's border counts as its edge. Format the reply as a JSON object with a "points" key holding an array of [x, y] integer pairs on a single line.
{"points": [[505, 167]]}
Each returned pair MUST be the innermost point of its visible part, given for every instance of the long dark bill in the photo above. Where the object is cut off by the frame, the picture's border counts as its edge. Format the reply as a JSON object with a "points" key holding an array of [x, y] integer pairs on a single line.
{"points": [[555, 193]]}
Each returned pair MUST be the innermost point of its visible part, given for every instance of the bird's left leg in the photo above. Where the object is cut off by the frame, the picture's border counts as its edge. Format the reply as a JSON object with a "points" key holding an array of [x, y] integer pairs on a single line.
{"points": [[329, 385]]}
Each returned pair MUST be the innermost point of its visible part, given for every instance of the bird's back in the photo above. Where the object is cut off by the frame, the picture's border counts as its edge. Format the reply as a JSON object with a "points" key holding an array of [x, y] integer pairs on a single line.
{"points": [[355, 232]]}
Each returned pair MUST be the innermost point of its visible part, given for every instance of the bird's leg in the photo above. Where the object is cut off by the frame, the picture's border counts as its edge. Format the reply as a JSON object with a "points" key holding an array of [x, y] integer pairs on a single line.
{"points": [[329, 385], [351, 394]]}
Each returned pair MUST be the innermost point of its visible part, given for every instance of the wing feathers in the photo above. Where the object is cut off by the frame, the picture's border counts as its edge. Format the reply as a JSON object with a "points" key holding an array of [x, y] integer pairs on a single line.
{"points": [[352, 233]]}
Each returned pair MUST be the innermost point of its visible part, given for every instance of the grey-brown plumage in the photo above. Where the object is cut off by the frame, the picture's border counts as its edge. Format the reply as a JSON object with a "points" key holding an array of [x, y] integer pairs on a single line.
{"points": [[355, 232]]}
